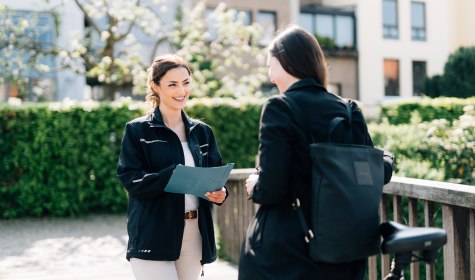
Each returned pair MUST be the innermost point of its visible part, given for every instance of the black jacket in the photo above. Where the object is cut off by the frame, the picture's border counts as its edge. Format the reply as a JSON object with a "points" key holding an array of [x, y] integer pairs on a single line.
{"points": [[274, 247], [150, 151]]}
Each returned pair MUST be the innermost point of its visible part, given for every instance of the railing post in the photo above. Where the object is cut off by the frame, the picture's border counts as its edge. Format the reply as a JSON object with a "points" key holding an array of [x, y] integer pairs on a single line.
{"points": [[412, 205], [472, 244], [429, 222], [385, 266], [456, 253]]}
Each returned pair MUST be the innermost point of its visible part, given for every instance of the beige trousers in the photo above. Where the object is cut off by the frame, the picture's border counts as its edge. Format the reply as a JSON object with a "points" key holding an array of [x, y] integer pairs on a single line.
{"points": [[187, 267]]}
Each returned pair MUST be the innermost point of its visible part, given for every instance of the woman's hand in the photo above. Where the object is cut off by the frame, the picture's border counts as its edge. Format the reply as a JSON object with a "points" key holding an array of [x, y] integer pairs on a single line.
{"points": [[217, 196], [251, 182]]}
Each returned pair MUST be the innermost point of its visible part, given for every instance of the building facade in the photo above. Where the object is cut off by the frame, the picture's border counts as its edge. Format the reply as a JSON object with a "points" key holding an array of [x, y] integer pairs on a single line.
{"points": [[401, 42], [377, 51], [61, 84]]}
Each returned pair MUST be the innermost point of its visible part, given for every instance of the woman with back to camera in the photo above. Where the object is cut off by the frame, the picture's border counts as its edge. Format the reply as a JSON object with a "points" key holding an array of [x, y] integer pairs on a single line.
{"points": [[274, 247], [171, 235]]}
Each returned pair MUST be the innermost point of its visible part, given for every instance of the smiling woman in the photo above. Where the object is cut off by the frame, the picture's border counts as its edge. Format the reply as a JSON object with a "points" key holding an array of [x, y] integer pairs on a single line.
{"points": [[169, 234]]}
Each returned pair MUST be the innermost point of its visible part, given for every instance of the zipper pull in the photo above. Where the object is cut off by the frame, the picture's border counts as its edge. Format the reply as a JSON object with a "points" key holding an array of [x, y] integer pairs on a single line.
{"points": [[202, 270]]}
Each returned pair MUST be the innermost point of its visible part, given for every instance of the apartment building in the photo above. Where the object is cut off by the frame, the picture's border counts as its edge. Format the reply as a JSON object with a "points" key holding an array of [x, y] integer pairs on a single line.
{"points": [[377, 51], [400, 42]]}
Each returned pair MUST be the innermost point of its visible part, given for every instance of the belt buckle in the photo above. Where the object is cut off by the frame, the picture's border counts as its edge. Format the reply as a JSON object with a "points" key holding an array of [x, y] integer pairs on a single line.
{"points": [[190, 215]]}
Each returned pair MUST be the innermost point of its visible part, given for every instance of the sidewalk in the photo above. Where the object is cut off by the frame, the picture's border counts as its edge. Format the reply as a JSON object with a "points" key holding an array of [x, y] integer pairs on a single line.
{"points": [[89, 248]]}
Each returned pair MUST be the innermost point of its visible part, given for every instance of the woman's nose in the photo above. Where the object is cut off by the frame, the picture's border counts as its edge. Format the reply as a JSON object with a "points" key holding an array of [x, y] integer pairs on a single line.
{"points": [[182, 89]]}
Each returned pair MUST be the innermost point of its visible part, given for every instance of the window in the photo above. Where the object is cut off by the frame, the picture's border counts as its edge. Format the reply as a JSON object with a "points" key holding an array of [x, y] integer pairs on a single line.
{"points": [[211, 24], [324, 25], [418, 21], [338, 27], [268, 22], [390, 22], [306, 21], [344, 31], [246, 16], [26, 61], [391, 77], [418, 77]]}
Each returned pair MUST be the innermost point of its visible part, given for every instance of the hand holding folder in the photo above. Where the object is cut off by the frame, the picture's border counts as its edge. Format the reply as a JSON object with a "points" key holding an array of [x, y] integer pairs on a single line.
{"points": [[198, 180]]}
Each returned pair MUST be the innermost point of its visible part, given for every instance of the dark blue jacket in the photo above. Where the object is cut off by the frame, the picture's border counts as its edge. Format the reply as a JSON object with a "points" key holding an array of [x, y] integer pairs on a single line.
{"points": [[149, 153]]}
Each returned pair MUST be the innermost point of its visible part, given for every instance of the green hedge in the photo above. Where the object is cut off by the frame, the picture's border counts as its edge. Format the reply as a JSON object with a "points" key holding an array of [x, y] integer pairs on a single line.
{"points": [[235, 125], [59, 159], [438, 150], [426, 109]]}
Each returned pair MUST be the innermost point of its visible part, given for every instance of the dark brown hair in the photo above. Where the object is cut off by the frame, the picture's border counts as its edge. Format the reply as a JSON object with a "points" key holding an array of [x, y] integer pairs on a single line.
{"points": [[160, 66], [300, 54]]}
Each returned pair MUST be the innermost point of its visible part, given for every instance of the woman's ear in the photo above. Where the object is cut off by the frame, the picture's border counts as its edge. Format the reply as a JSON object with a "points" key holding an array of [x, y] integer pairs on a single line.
{"points": [[154, 87]]}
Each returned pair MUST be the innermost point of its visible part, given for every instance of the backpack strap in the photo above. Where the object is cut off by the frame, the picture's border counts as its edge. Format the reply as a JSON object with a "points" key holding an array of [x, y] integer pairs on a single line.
{"points": [[304, 126]]}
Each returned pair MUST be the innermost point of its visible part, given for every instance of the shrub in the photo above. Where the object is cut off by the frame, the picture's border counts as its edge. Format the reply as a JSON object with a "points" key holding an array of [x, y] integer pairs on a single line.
{"points": [[436, 150], [59, 159], [458, 79], [426, 108], [459, 74]]}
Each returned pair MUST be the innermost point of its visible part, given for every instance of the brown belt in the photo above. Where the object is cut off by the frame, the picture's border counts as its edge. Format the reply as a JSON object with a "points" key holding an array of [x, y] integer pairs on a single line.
{"points": [[191, 214]]}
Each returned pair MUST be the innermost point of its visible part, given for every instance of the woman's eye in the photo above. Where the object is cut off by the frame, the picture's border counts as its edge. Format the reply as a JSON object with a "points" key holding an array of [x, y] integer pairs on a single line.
{"points": [[172, 85]]}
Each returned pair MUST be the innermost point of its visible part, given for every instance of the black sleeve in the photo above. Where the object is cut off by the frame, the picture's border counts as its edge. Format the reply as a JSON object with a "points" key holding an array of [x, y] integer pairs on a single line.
{"points": [[132, 173], [388, 166], [275, 153]]}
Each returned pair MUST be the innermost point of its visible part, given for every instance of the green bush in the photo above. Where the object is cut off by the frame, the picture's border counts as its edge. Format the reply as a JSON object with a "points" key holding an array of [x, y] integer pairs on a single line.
{"points": [[433, 86], [458, 79], [437, 150], [235, 125], [59, 159], [459, 74], [427, 109]]}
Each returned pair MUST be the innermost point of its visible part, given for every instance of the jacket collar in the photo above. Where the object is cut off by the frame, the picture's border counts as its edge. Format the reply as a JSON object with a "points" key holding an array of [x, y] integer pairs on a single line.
{"points": [[305, 83], [156, 120]]}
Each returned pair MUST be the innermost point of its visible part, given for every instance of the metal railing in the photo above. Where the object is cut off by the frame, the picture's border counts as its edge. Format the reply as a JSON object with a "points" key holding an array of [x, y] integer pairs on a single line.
{"points": [[452, 204]]}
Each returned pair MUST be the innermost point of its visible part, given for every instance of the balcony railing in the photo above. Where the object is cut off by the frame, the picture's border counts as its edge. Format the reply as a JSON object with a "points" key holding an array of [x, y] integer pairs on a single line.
{"points": [[401, 199]]}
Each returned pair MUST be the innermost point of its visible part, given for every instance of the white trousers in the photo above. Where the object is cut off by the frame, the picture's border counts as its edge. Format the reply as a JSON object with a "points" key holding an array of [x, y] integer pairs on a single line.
{"points": [[187, 267]]}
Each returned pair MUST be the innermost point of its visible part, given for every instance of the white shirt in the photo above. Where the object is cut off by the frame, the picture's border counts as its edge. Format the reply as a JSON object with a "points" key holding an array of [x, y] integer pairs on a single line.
{"points": [[191, 201]]}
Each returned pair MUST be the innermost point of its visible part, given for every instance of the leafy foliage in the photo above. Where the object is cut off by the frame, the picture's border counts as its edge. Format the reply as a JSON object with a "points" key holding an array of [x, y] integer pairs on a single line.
{"points": [[438, 150], [224, 53], [458, 79], [225, 57], [59, 159], [426, 109]]}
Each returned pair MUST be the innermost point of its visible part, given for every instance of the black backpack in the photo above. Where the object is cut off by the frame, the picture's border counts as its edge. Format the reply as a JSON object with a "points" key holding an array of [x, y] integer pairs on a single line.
{"points": [[347, 185]]}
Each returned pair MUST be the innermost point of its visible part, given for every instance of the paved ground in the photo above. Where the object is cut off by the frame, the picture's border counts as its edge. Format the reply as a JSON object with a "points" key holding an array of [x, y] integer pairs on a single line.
{"points": [[89, 248]]}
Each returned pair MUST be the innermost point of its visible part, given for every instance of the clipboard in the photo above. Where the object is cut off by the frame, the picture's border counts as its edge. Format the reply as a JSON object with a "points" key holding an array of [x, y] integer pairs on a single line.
{"points": [[198, 180]]}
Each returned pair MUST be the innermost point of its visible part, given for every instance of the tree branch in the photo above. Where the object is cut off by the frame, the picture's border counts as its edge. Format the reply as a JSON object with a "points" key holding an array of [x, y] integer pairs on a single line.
{"points": [[88, 18], [131, 25], [155, 47]]}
